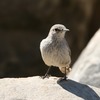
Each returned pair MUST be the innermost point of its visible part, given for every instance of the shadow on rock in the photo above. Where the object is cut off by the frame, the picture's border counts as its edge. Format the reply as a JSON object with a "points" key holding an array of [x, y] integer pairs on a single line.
{"points": [[79, 89]]}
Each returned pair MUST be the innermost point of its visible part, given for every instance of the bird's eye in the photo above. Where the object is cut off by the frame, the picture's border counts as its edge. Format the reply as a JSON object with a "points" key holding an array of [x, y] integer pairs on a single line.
{"points": [[57, 30]]}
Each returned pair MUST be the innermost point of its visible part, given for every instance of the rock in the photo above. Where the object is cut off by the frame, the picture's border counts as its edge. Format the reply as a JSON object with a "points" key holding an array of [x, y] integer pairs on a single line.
{"points": [[36, 88], [87, 67]]}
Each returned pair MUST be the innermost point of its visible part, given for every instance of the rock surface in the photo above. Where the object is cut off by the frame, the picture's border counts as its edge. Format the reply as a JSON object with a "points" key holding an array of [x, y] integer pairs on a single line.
{"points": [[87, 67], [35, 88]]}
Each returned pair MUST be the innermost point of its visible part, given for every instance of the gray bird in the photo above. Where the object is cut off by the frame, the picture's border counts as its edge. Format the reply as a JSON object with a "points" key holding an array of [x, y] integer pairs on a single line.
{"points": [[55, 50]]}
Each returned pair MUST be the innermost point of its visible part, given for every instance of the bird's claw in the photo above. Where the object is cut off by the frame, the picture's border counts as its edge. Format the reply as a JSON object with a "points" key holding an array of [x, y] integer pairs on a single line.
{"points": [[45, 76], [62, 79]]}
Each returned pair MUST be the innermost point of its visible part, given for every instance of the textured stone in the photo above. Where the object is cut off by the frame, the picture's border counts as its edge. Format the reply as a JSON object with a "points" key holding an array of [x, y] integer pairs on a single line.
{"points": [[35, 88], [87, 67]]}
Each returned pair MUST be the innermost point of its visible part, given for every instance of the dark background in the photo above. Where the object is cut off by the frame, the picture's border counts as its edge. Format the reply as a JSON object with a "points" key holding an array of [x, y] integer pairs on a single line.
{"points": [[24, 23]]}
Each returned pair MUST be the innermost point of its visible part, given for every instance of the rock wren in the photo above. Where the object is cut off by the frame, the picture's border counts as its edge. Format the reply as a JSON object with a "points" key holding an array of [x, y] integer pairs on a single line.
{"points": [[55, 50]]}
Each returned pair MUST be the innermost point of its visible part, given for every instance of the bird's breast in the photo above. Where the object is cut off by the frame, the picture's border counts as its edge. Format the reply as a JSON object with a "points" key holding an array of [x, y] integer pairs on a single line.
{"points": [[55, 53]]}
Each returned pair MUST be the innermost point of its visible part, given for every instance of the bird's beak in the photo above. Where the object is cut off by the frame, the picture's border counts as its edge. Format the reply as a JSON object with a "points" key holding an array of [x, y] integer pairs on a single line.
{"points": [[66, 30]]}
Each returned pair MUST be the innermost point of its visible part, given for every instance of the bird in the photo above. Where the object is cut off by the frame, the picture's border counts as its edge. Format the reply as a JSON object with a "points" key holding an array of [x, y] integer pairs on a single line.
{"points": [[55, 50]]}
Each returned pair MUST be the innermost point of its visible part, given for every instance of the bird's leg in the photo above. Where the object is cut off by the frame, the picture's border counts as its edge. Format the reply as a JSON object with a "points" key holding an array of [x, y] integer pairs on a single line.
{"points": [[65, 77], [46, 74]]}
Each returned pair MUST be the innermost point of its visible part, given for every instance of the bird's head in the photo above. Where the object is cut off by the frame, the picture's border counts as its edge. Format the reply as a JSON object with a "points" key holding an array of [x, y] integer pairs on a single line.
{"points": [[58, 30]]}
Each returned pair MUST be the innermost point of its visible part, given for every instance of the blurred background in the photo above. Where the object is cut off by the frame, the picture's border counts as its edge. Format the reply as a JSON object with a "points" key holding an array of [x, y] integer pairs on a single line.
{"points": [[24, 23]]}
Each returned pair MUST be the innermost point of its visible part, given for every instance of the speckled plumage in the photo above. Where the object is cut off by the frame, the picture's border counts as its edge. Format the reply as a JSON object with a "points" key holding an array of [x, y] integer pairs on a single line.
{"points": [[54, 48]]}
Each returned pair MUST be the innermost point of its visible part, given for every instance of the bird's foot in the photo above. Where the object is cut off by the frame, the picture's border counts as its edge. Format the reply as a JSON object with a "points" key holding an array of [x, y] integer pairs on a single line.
{"points": [[62, 79], [45, 76]]}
